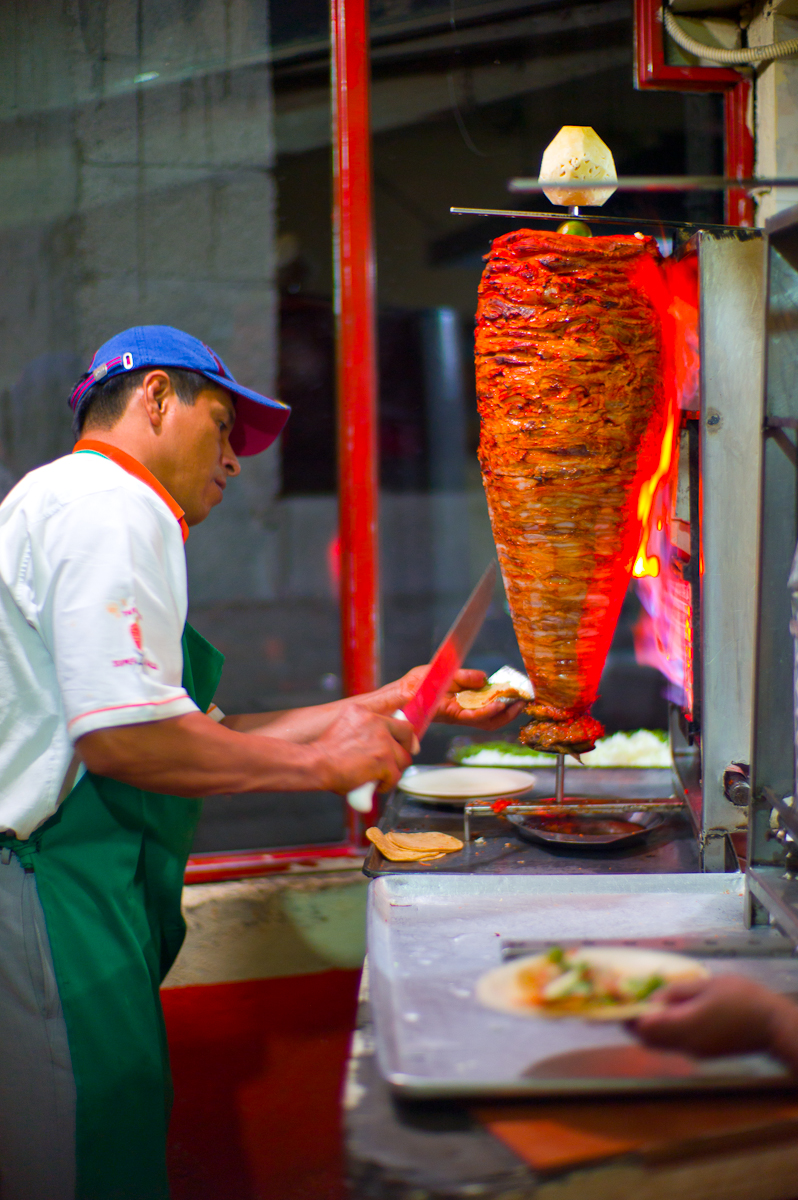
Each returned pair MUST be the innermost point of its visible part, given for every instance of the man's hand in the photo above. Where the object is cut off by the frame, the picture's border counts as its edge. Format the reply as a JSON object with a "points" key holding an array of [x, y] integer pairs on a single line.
{"points": [[723, 1015], [493, 716], [361, 746], [194, 756]]}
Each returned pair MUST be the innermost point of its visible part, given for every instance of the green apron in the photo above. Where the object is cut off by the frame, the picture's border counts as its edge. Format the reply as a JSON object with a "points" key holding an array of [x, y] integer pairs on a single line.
{"points": [[109, 870]]}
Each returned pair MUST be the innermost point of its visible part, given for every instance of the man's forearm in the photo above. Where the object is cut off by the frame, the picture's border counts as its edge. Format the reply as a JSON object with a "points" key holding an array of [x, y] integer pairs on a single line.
{"points": [[294, 725], [195, 756], [305, 724]]}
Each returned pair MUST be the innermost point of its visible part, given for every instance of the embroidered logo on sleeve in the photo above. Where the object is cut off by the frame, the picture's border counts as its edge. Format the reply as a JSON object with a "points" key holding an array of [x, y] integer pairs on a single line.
{"points": [[140, 659]]}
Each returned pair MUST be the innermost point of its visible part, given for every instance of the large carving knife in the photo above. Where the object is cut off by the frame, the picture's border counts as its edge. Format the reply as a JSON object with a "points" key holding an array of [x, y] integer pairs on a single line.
{"points": [[446, 662]]}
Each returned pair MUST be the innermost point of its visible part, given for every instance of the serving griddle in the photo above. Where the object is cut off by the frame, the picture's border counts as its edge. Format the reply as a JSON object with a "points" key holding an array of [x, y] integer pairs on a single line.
{"points": [[494, 846], [431, 937]]}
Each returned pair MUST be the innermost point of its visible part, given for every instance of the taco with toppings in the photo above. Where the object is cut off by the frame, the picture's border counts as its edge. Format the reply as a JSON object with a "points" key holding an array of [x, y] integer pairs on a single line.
{"points": [[596, 983]]}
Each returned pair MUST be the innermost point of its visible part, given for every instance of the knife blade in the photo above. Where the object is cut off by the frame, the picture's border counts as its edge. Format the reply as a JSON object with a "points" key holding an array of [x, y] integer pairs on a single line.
{"points": [[446, 662]]}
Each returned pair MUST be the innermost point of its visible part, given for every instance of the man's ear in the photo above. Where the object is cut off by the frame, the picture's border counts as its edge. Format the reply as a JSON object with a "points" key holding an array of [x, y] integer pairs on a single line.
{"points": [[156, 387]]}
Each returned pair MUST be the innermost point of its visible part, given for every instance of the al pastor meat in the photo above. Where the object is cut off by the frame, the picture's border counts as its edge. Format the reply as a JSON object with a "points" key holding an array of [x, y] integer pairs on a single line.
{"points": [[570, 392]]}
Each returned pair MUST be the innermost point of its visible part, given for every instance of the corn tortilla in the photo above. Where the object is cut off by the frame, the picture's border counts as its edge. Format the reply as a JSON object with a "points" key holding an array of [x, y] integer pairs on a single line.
{"points": [[391, 851], [481, 697], [429, 842]]}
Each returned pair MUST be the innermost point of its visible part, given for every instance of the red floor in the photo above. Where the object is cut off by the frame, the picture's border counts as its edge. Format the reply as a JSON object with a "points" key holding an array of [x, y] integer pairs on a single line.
{"points": [[257, 1070]]}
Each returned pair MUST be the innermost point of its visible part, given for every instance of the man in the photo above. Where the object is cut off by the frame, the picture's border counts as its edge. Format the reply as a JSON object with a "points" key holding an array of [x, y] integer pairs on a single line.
{"points": [[107, 736]]}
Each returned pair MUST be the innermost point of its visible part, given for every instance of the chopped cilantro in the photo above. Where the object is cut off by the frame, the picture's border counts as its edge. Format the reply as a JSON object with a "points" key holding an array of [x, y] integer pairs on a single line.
{"points": [[641, 989]]}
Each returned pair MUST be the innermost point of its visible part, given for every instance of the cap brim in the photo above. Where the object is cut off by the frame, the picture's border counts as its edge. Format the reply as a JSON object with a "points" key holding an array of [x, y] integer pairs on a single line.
{"points": [[259, 420]]}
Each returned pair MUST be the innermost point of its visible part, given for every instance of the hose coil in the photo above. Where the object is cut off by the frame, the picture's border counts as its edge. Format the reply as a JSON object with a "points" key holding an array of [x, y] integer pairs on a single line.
{"points": [[730, 58]]}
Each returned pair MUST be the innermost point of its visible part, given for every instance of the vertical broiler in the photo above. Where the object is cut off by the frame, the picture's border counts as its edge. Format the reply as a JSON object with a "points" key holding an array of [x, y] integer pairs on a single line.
{"points": [[625, 404]]}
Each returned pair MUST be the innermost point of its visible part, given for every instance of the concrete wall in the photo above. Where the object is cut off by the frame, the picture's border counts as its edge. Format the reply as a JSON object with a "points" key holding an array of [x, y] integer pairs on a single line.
{"points": [[129, 199], [272, 927]]}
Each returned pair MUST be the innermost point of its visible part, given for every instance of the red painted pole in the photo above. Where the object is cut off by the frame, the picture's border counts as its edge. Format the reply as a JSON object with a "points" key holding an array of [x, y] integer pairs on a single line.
{"points": [[356, 349], [739, 159]]}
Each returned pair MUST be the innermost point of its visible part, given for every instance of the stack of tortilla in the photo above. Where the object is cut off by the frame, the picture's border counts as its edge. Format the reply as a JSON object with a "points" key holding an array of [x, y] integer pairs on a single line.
{"points": [[413, 847]]}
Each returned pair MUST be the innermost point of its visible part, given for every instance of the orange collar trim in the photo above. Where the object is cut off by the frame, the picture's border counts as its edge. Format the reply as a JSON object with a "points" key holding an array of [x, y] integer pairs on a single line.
{"points": [[132, 465]]}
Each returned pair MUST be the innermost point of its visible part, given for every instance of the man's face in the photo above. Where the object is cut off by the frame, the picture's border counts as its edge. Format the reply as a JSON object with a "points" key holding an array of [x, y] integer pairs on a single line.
{"points": [[201, 459]]}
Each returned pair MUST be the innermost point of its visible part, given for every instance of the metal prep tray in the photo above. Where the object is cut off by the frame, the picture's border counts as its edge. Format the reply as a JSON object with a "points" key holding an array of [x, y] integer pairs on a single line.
{"points": [[431, 936]]}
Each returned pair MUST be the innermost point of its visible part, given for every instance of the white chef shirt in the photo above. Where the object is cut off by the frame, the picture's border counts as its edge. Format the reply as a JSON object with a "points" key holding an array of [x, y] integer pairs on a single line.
{"points": [[93, 600]]}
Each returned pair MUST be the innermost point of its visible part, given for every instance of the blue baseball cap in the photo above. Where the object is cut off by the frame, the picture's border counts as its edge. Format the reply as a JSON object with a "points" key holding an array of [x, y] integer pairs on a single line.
{"points": [[259, 420]]}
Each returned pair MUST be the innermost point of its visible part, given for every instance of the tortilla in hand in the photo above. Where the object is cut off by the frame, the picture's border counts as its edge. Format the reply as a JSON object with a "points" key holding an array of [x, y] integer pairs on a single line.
{"points": [[481, 697], [504, 684]]}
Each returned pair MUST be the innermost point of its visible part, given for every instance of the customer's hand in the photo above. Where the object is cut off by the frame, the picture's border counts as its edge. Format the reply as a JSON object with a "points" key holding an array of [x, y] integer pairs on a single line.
{"points": [[726, 1014]]}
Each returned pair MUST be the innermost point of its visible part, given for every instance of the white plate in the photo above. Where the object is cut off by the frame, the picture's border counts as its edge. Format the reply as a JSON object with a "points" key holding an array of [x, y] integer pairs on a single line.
{"points": [[457, 785], [499, 988]]}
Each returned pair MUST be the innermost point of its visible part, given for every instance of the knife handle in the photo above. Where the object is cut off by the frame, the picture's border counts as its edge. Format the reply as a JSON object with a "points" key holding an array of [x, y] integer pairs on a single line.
{"points": [[362, 798]]}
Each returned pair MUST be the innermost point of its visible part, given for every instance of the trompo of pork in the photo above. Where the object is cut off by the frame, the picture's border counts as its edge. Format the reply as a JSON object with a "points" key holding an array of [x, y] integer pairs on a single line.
{"points": [[572, 409]]}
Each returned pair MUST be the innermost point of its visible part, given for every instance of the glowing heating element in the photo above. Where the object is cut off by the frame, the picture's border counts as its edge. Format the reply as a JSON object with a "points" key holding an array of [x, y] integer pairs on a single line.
{"points": [[649, 564], [664, 634]]}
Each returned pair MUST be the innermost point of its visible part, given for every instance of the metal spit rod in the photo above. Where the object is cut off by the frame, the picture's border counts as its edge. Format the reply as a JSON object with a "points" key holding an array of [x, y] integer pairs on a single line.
{"points": [[559, 786], [653, 183], [580, 808], [599, 218]]}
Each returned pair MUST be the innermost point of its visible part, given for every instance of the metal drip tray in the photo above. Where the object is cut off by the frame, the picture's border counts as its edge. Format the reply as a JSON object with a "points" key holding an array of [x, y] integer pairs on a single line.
{"points": [[588, 832]]}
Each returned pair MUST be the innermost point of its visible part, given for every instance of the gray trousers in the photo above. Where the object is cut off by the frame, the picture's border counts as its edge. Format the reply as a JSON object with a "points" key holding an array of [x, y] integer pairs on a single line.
{"points": [[37, 1088]]}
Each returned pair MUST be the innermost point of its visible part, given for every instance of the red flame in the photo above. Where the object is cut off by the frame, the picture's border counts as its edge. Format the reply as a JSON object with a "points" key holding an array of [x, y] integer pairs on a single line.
{"points": [[646, 564], [663, 637]]}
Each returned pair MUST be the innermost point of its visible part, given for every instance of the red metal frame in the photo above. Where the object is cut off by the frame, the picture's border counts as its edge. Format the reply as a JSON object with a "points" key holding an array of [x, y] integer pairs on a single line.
{"points": [[242, 864], [738, 103], [652, 72], [355, 345], [356, 352]]}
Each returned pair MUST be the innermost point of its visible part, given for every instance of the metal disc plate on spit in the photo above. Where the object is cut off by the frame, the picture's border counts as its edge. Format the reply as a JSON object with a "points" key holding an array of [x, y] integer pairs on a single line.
{"points": [[574, 830]]}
